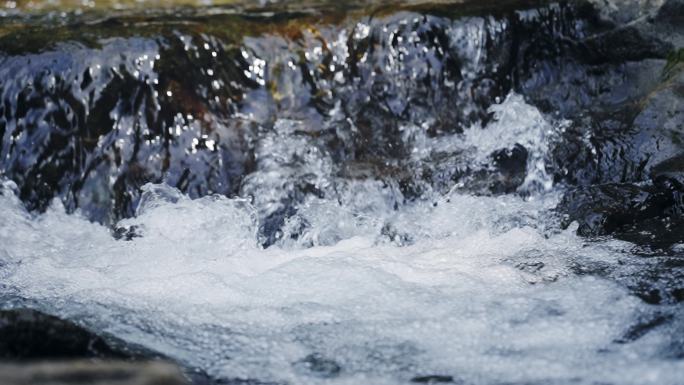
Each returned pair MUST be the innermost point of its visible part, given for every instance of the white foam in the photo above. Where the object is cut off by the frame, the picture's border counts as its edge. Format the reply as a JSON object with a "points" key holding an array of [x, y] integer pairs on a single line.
{"points": [[483, 289], [458, 301], [516, 122]]}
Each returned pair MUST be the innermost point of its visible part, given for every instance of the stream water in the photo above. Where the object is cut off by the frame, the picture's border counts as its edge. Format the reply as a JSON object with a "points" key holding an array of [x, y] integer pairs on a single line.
{"points": [[272, 237]]}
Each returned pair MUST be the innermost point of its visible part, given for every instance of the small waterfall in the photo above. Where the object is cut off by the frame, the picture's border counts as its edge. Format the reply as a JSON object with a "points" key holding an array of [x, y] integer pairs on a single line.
{"points": [[426, 193]]}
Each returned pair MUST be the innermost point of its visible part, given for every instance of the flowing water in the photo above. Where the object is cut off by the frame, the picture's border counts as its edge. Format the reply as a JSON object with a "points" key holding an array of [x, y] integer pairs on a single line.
{"points": [[318, 265]]}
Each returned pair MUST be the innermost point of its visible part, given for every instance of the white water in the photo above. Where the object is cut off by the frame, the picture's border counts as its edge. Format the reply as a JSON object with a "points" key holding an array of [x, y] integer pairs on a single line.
{"points": [[482, 289]]}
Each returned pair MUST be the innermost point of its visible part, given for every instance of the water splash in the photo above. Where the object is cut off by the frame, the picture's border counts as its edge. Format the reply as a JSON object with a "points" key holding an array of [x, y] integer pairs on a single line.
{"points": [[358, 288], [517, 123], [361, 233], [475, 289]]}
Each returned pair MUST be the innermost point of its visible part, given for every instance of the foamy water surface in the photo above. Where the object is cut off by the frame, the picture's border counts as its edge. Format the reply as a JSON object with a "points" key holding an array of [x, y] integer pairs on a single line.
{"points": [[357, 289]]}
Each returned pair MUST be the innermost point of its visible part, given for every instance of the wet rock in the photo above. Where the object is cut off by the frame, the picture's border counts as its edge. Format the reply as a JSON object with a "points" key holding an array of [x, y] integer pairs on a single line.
{"points": [[91, 112], [649, 215], [92, 119], [92, 373], [93, 124], [243, 381], [625, 44], [659, 278], [27, 334], [629, 164], [644, 327], [660, 285], [317, 365], [671, 12], [632, 131], [511, 169], [126, 233], [432, 379]]}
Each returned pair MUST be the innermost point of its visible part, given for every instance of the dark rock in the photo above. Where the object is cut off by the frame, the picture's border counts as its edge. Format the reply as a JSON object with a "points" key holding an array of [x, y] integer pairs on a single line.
{"points": [[510, 170], [317, 365], [634, 131], [190, 106], [243, 381], [629, 165], [671, 12], [126, 233], [645, 326], [433, 379], [93, 135], [624, 44], [91, 373], [647, 215], [30, 335], [660, 279]]}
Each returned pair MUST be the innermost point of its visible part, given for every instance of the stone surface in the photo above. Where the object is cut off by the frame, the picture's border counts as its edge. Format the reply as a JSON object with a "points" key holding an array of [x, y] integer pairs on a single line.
{"points": [[27, 334], [646, 215], [91, 373]]}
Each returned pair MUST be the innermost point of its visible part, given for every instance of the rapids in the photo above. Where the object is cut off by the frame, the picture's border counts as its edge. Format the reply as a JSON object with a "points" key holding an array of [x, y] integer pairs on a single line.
{"points": [[481, 289], [365, 202]]}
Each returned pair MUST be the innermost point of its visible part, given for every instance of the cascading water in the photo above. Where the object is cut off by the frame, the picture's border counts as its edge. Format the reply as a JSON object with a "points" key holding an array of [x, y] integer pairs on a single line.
{"points": [[368, 201]]}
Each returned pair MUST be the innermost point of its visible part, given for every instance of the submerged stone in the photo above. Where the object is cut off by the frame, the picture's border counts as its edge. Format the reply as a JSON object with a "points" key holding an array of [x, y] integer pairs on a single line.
{"points": [[30, 335], [317, 365]]}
